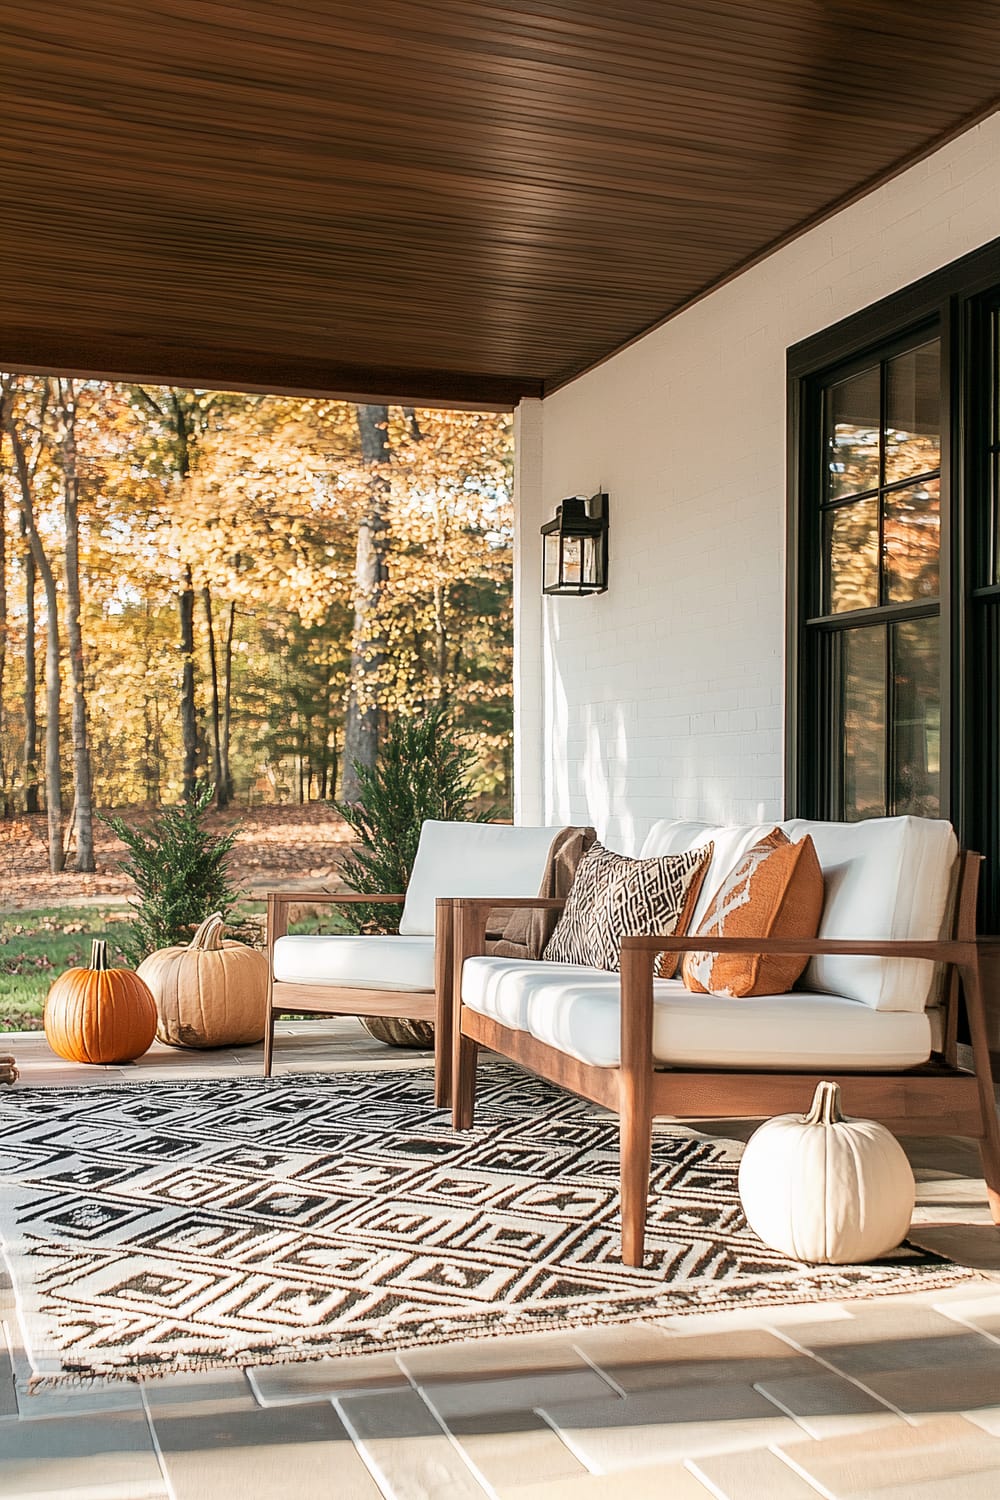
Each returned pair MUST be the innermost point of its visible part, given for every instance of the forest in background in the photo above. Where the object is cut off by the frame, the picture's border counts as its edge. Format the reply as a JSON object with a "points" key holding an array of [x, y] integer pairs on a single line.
{"points": [[240, 589]]}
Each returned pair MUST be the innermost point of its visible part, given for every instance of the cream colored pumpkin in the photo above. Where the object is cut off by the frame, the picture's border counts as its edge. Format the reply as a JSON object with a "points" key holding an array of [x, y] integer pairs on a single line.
{"points": [[824, 1189], [212, 993]]}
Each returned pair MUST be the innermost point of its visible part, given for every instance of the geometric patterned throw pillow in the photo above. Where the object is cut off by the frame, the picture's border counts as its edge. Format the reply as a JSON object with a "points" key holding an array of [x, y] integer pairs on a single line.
{"points": [[775, 891], [614, 897]]}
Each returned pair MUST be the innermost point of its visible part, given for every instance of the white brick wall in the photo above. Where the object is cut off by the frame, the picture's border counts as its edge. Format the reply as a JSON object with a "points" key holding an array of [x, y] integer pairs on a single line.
{"points": [[663, 697]]}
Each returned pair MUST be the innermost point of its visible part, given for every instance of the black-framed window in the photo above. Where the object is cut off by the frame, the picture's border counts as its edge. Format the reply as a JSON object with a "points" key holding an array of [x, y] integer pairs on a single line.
{"points": [[873, 621], [894, 562]]}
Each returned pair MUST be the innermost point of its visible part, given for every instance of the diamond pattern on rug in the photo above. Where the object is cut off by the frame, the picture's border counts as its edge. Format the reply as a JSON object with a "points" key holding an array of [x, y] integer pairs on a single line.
{"points": [[170, 1226]]}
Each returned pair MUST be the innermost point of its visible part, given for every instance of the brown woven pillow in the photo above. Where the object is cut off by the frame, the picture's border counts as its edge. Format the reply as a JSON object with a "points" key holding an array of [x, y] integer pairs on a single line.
{"points": [[615, 897], [775, 891]]}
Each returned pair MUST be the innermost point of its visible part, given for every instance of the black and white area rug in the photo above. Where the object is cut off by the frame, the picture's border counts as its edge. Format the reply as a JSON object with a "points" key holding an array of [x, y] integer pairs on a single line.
{"points": [[176, 1226]]}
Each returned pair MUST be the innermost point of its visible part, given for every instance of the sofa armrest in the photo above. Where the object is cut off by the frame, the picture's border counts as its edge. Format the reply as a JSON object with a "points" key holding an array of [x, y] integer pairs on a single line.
{"points": [[471, 913], [278, 903]]}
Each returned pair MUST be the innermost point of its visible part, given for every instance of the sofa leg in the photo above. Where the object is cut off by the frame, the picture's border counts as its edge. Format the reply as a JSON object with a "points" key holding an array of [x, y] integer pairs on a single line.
{"points": [[989, 1142], [636, 1151], [463, 1082], [635, 1098], [268, 1042], [444, 938]]}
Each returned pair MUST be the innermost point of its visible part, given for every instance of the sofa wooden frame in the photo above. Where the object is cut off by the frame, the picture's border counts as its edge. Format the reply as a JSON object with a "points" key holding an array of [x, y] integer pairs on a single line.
{"points": [[939, 1096], [283, 996]]}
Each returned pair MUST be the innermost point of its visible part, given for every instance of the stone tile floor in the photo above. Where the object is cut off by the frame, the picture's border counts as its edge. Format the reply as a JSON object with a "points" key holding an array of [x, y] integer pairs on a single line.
{"points": [[895, 1398]]}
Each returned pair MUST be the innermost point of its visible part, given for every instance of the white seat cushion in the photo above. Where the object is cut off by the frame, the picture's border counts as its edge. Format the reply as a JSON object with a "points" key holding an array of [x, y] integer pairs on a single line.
{"points": [[885, 878], [472, 859], [364, 963], [577, 1010]]}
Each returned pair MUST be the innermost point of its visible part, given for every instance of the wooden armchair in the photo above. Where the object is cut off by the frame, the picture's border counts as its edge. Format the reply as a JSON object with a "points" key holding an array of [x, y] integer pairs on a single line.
{"points": [[327, 999], [405, 974]]}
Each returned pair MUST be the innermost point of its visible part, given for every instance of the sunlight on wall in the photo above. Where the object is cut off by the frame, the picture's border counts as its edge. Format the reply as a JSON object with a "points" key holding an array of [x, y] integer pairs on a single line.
{"points": [[664, 697]]}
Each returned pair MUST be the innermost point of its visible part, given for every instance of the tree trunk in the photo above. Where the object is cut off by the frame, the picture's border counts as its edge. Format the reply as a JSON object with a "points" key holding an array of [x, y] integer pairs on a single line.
{"points": [[53, 686], [221, 794], [4, 795], [367, 647], [185, 604], [227, 702], [189, 721], [82, 780], [30, 752]]}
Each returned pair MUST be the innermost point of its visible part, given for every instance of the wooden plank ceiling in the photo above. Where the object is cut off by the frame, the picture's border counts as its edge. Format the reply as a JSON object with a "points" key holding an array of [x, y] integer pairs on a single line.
{"points": [[459, 200]]}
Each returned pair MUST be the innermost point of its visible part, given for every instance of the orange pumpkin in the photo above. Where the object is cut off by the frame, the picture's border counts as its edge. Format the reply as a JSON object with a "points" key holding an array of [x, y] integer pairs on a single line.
{"points": [[211, 993], [100, 1015]]}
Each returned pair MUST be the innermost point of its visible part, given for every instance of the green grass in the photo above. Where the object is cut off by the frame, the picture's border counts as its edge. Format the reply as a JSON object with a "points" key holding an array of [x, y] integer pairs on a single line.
{"points": [[36, 946]]}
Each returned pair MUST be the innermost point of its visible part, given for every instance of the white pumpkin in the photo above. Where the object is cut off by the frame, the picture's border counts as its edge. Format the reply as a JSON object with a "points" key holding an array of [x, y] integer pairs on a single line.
{"points": [[824, 1189]]}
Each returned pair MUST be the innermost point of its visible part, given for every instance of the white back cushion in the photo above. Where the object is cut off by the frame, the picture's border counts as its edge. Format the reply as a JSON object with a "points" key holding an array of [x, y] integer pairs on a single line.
{"points": [[885, 878], [472, 859], [730, 844]]}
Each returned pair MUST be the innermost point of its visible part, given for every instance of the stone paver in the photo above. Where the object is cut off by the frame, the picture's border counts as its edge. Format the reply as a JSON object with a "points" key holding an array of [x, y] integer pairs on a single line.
{"points": [[78, 1456], [754, 1474], [215, 1441], [946, 1452], [407, 1449], [651, 1482], [670, 1425], [319, 1379], [892, 1398]]}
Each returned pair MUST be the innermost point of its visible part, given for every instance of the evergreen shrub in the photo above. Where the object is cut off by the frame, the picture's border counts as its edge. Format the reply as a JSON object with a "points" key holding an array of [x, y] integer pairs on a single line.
{"points": [[423, 770], [180, 872]]}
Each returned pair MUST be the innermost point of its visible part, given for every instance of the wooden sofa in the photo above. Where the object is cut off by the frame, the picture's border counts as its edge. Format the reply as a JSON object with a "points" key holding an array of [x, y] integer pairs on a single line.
{"points": [[877, 1009]]}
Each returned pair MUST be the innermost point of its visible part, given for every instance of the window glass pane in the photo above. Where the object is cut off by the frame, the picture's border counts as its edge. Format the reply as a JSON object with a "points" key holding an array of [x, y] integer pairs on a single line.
{"points": [[852, 435], [852, 556], [916, 736], [911, 538], [912, 419], [863, 725]]}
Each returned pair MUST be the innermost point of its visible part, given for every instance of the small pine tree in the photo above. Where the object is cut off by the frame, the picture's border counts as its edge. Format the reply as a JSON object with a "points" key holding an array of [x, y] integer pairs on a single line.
{"points": [[180, 873], [423, 771]]}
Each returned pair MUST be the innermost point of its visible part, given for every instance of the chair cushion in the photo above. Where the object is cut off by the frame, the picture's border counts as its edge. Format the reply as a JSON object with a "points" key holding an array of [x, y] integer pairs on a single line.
{"points": [[776, 890], [613, 897], [356, 962], [472, 859], [885, 878], [577, 1010]]}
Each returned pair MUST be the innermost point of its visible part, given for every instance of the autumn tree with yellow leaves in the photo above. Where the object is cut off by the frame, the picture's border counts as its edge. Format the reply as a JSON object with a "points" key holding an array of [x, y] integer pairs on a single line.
{"points": [[227, 587]]}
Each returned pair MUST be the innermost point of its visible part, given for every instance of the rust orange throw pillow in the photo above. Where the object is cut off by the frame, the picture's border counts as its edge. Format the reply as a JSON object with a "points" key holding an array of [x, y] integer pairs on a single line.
{"points": [[775, 891]]}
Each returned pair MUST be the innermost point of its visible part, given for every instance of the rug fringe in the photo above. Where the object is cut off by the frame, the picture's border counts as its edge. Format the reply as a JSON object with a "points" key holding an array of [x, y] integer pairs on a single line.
{"points": [[934, 1280]]}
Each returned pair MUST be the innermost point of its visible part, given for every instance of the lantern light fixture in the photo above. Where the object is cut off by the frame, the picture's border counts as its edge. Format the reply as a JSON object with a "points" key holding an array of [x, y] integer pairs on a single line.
{"points": [[575, 543]]}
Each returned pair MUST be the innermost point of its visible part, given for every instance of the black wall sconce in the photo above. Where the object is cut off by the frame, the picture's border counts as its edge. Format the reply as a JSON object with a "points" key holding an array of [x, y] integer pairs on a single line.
{"points": [[575, 556]]}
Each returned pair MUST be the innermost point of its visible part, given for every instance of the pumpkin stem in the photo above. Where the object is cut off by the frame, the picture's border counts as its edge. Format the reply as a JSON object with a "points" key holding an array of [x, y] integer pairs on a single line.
{"points": [[99, 955], [209, 934], [825, 1108]]}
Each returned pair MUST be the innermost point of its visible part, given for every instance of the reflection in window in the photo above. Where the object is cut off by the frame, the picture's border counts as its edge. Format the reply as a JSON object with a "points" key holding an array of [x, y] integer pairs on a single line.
{"points": [[863, 724], [852, 556], [913, 421], [912, 542], [916, 736], [852, 435], [891, 722]]}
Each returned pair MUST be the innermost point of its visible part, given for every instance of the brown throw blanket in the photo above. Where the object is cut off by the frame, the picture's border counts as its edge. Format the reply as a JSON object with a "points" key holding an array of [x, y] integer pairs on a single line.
{"points": [[524, 933]]}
